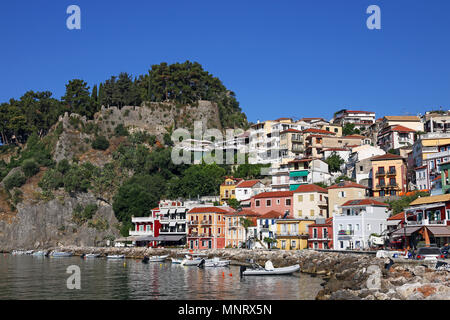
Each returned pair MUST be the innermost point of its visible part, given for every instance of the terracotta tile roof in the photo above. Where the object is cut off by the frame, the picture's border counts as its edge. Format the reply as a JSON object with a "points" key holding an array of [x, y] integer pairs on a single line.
{"points": [[244, 212], [387, 156], [247, 183], [328, 222], [347, 184], [279, 119], [421, 167], [358, 111], [402, 118], [398, 216], [209, 210], [310, 188], [300, 160], [274, 194], [354, 136], [400, 128], [336, 149], [291, 130], [364, 202], [312, 130], [271, 215]]}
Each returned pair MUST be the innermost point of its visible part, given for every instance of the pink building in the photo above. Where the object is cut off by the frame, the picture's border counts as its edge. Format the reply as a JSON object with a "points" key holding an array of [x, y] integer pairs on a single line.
{"points": [[280, 201]]}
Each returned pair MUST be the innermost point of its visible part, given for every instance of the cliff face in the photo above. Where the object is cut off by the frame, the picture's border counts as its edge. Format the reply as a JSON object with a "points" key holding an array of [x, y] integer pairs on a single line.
{"points": [[47, 224], [40, 223]]}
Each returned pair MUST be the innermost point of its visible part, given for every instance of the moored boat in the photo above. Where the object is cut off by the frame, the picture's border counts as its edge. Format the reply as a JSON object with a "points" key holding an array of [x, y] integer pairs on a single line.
{"points": [[61, 254], [115, 256], [192, 260], [216, 262], [268, 270], [91, 255], [39, 253]]}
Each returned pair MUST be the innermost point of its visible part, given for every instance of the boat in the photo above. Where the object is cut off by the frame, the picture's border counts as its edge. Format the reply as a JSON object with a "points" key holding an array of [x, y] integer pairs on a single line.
{"points": [[215, 262], [192, 260], [268, 270], [155, 259], [176, 261], [115, 256], [39, 253], [18, 252], [91, 255], [61, 254]]}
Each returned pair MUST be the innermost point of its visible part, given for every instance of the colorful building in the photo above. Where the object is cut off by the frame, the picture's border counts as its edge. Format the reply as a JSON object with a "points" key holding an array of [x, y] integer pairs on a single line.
{"points": [[267, 228], [341, 192], [388, 175], [320, 234], [236, 234], [280, 201], [310, 201], [248, 188], [228, 189], [206, 227], [292, 234], [395, 137]]}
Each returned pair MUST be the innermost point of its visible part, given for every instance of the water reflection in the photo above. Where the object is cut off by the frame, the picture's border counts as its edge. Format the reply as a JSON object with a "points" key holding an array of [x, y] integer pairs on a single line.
{"points": [[29, 277]]}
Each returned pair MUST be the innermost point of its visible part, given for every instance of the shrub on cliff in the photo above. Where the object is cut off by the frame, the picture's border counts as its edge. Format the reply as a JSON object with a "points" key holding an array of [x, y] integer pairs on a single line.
{"points": [[51, 180], [30, 167], [17, 179], [100, 143]]}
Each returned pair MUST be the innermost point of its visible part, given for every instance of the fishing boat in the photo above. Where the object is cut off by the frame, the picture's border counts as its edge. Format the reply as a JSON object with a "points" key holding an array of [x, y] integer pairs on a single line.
{"points": [[192, 260], [61, 254], [115, 256], [268, 270], [216, 262]]}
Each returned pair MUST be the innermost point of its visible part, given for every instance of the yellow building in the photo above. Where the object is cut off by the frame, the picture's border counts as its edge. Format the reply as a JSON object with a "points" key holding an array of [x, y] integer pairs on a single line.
{"points": [[388, 175], [427, 145], [342, 192], [228, 189], [335, 128], [292, 234]]}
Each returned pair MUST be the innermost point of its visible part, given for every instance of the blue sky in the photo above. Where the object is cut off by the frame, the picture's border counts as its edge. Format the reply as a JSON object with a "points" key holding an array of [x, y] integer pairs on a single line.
{"points": [[283, 58]]}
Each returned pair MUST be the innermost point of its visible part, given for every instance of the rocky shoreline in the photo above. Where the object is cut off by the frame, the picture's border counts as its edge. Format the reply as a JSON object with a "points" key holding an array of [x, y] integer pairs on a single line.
{"points": [[345, 275]]}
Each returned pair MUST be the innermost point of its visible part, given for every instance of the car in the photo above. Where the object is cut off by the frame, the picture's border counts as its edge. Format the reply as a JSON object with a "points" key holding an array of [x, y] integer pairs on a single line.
{"points": [[445, 250], [429, 253]]}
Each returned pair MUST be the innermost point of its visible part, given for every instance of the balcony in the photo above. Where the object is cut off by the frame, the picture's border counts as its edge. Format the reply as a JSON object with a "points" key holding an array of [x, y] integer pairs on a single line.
{"points": [[140, 233], [392, 172], [233, 224], [427, 222], [193, 223], [380, 173], [290, 234], [346, 232], [206, 222]]}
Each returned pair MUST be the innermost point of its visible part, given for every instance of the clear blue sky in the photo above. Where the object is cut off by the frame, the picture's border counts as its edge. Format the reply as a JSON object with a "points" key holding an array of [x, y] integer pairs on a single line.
{"points": [[299, 58]]}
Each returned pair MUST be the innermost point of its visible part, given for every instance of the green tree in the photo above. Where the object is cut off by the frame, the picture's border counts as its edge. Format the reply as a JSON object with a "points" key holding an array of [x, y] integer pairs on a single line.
{"points": [[30, 167], [100, 143], [334, 162], [78, 98]]}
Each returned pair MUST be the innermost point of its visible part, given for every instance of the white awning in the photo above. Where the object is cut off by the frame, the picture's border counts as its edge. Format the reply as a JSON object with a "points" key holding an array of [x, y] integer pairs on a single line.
{"points": [[172, 210], [425, 207], [164, 211], [172, 224], [181, 210]]}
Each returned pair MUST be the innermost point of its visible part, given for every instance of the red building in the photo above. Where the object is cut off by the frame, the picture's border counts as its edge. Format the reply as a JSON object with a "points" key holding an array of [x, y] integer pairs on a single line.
{"points": [[206, 227], [320, 234], [280, 201]]}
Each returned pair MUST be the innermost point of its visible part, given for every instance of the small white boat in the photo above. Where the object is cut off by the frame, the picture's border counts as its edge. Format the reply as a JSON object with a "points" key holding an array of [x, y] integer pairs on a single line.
{"points": [[61, 254], [268, 270], [115, 256], [191, 260], [176, 261], [39, 253], [18, 252], [92, 255], [216, 262], [155, 259]]}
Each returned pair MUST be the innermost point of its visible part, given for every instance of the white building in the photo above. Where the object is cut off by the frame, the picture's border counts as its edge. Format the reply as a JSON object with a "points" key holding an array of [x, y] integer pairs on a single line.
{"points": [[361, 119], [266, 227], [395, 137], [359, 219], [358, 165], [249, 188]]}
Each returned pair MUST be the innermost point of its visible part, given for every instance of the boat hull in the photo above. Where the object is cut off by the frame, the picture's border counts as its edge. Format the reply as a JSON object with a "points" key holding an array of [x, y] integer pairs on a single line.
{"points": [[114, 257], [274, 272]]}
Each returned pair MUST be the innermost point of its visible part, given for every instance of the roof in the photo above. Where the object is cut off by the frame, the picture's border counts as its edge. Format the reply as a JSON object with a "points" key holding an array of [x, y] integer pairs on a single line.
{"points": [[271, 215], [244, 212], [402, 118], [421, 167], [274, 194], [358, 111], [387, 156], [347, 184], [300, 160], [279, 119], [431, 199], [364, 202], [310, 188], [402, 129], [291, 130], [208, 210], [398, 216], [328, 222], [336, 149], [247, 183], [312, 130], [354, 136]]}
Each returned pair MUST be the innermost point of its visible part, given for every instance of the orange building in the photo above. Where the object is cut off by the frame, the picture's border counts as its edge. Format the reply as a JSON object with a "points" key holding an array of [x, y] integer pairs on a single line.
{"points": [[235, 232], [206, 227], [388, 175]]}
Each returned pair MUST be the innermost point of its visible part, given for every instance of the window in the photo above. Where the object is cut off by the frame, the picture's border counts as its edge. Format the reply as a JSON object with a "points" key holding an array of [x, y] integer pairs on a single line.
{"points": [[381, 170], [320, 197], [311, 197], [368, 227], [341, 244], [300, 198], [278, 201], [315, 234], [268, 203], [283, 244], [257, 203], [245, 191], [381, 181], [361, 168], [311, 212], [382, 193], [288, 202], [218, 231], [357, 227], [448, 214], [300, 213], [341, 194]]}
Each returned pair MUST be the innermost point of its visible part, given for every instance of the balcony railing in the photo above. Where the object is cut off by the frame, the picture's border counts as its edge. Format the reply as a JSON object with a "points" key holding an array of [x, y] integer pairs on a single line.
{"points": [[140, 233], [291, 233], [426, 222], [193, 222], [380, 173], [346, 232], [206, 222]]}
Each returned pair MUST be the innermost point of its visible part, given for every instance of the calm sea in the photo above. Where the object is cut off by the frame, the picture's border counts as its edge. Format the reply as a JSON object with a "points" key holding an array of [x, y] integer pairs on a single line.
{"points": [[29, 277]]}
